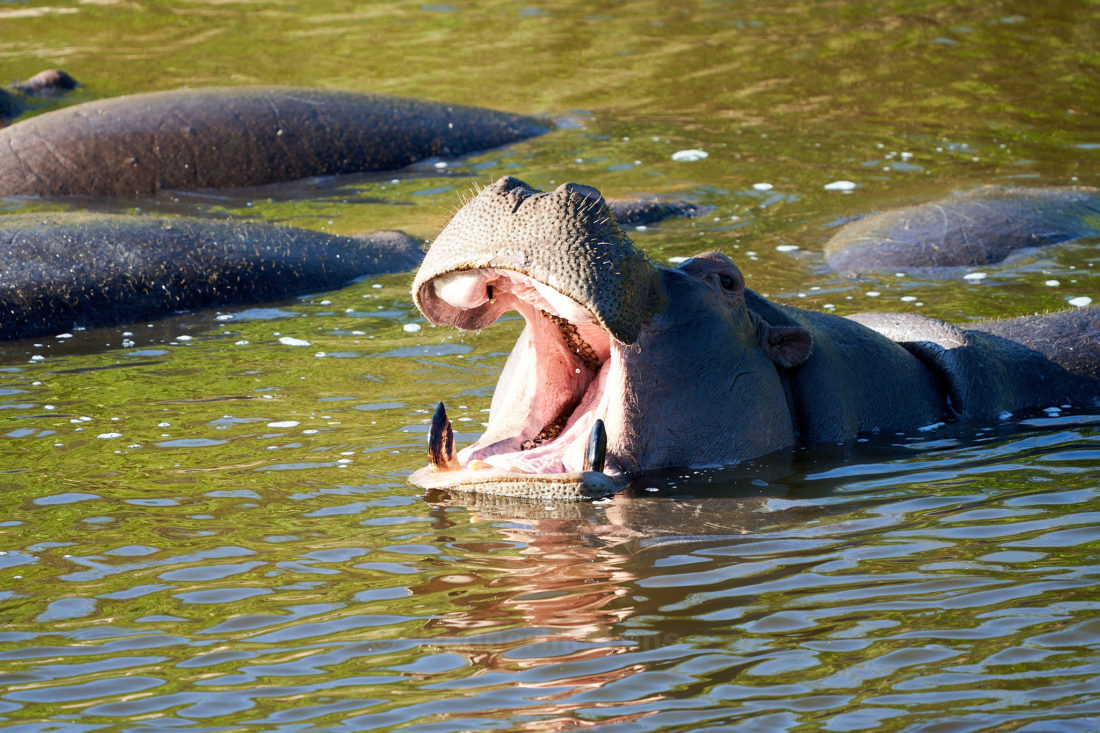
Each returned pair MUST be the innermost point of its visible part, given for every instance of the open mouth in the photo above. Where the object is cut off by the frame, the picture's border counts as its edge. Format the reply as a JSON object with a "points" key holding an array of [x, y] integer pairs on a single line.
{"points": [[546, 435]]}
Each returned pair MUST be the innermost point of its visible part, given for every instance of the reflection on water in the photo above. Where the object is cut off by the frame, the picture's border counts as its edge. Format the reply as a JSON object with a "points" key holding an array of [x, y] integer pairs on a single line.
{"points": [[206, 521], [840, 595]]}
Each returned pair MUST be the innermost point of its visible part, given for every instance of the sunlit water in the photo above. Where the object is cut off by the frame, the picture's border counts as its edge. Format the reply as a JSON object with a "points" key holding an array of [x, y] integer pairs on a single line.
{"points": [[206, 521]]}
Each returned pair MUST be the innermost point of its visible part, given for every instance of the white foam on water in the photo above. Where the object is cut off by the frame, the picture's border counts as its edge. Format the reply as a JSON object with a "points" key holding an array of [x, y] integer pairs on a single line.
{"points": [[689, 156]]}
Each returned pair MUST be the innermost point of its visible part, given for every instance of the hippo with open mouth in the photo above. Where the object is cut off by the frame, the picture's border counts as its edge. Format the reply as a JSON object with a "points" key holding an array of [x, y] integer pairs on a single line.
{"points": [[627, 366]]}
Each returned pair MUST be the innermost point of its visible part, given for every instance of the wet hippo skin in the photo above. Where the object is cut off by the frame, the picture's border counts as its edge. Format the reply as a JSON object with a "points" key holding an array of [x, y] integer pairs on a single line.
{"points": [[627, 366], [980, 227], [140, 144], [63, 271]]}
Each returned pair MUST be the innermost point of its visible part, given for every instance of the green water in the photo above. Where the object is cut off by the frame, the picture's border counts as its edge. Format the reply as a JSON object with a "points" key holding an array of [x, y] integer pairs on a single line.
{"points": [[208, 528]]}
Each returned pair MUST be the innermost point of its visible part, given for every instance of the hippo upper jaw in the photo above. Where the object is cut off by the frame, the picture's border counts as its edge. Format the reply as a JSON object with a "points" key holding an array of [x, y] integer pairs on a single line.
{"points": [[561, 260], [553, 390]]}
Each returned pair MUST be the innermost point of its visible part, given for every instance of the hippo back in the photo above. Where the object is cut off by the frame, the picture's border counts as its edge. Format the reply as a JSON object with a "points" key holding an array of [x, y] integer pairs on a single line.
{"points": [[993, 366], [236, 136]]}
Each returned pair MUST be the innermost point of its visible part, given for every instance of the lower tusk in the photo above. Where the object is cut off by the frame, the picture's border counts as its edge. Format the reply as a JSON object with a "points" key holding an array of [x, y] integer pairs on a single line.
{"points": [[441, 442], [596, 451]]}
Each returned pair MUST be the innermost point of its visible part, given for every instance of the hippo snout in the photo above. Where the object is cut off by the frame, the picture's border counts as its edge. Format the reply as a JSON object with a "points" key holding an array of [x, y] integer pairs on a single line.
{"points": [[565, 241]]}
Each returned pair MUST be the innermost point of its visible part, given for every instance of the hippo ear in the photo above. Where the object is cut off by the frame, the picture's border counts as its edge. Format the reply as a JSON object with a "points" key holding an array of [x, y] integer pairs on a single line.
{"points": [[787, 346]]}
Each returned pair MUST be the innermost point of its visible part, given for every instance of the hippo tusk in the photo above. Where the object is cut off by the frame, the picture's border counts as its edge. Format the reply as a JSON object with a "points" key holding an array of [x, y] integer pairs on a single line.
{"points": [[441, 442], [596, 452]]}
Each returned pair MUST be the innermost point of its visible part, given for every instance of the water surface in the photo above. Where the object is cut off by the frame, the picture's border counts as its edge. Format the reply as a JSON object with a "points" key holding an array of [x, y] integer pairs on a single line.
{"points": [[206, 520]]}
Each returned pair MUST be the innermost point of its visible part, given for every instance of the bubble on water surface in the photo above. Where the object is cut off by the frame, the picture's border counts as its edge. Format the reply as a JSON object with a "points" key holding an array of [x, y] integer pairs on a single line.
{"points": [[283, 424], [690, 155], [787, 248], [762, 186], [974, 276], [845, 186], [290, 341], [1080, 301]]}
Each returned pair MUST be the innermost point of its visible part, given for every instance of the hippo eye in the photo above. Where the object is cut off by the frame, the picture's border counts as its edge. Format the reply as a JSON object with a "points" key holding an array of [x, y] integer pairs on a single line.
{"points": [[727, 282]]}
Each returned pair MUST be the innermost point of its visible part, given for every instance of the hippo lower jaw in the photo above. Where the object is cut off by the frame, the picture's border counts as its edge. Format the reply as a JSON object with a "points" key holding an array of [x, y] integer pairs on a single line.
{"points": [[552, 393]]}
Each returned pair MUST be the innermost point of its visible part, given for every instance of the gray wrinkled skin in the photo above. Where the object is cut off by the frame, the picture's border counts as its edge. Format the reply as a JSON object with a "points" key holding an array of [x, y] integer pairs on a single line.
{"points": [[567, 239], [977, 228], [703, 372], [140, 144], [60, 271]]}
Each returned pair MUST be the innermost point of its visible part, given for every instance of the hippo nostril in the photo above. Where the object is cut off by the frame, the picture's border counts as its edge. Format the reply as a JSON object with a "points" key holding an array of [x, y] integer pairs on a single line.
{"points": [[587, 192]]}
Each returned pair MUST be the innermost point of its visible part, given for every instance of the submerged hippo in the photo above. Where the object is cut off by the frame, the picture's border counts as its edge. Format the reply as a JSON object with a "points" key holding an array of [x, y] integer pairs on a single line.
{"points": [[46, 83], [140, 144], [60, 271], [626, 366], [976, 228]]}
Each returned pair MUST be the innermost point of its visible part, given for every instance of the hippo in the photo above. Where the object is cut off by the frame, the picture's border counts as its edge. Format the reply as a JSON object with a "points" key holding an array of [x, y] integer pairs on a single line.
{"points": [[10, 107], [626, 366], [46, 83], [645, 210], [141, 144], [59, 271], [975, 228]]}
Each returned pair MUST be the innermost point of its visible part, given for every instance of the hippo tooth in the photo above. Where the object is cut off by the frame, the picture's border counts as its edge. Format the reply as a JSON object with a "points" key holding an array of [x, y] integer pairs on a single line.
{"points": [[465, 289], [596, 451], [441, 442]]}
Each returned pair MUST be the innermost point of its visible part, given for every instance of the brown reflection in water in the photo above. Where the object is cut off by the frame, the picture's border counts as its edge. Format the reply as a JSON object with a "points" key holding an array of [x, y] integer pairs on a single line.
{"points": [[555, 603], [563, 597]]}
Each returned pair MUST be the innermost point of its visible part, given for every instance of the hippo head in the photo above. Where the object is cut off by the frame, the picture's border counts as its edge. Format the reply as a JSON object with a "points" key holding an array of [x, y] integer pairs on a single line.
{"points": [[624, 365]]}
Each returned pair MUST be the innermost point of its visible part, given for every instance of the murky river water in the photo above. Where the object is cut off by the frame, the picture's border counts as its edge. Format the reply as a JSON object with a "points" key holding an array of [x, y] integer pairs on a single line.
{"points": [[206, 523]]}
